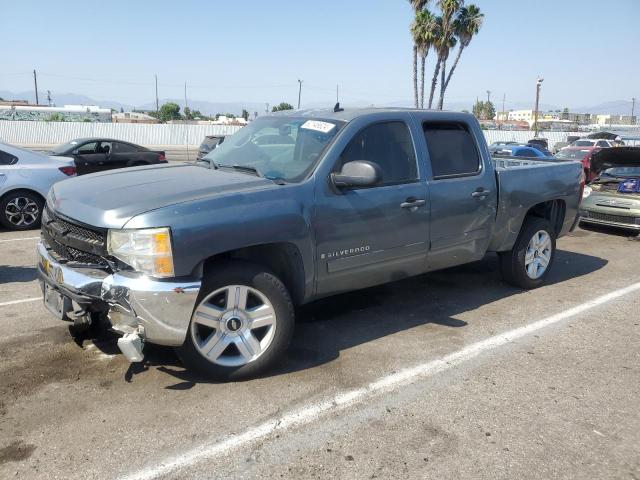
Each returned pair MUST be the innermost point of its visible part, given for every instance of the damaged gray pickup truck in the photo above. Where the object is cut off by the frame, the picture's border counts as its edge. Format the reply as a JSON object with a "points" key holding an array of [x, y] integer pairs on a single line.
{"points": [[213, 257]]}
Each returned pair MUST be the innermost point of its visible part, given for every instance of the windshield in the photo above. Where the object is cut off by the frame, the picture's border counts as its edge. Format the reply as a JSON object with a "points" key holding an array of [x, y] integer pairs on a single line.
{"points": [[276, 147], [584, 143], [622, 172], [572, 154], [65, 147]]}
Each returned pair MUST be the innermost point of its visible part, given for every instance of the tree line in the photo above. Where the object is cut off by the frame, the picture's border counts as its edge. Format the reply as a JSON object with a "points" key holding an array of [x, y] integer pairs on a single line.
{"points": [[171, 111]]}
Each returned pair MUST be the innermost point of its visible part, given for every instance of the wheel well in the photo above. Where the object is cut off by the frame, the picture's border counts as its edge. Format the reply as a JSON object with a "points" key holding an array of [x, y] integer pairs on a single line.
{"points": [[283, 259], [23, 190], [552, 210]]}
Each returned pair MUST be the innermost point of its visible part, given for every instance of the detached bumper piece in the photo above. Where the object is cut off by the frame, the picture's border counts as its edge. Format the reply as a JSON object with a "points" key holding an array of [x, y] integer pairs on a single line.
{"points": [[138, 307]]}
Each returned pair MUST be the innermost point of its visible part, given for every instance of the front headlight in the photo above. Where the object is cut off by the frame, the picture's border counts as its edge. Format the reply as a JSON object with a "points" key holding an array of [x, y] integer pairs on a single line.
{"points": [[145, 250], [587, 191]]}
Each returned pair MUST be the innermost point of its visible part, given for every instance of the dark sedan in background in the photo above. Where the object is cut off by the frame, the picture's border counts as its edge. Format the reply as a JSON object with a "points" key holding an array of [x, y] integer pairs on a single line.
{"points": [[209, 143], [98, 154]]}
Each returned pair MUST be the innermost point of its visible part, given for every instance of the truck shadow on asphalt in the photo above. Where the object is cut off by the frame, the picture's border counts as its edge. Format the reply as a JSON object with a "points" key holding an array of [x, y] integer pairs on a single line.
{"points": [[11, 274], [327, 327]]}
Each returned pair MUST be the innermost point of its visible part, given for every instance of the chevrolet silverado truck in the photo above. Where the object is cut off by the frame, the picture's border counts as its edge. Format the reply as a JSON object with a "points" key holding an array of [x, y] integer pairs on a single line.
{"points": [[213, 257]]}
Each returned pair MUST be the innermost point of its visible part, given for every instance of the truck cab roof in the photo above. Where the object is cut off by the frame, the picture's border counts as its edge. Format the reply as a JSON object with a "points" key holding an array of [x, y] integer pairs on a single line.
{"points": [[349, 114]]}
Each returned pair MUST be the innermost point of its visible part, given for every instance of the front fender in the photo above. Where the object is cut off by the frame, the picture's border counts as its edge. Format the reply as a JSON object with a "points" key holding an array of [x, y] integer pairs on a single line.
{"points": [[211, 226]]}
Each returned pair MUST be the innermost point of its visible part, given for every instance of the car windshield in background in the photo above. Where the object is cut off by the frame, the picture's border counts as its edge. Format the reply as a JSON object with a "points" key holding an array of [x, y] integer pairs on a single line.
{"points": [[623, 172], [65, 147], [572, 154], [283, 148], [583, 143]]}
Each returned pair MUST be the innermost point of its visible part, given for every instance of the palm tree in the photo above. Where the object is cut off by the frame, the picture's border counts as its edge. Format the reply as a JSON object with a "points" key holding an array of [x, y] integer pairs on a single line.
{"points": [[466, 26], [447, 39], [447, 42], [437, 45], [418, 6], [423, 36]]}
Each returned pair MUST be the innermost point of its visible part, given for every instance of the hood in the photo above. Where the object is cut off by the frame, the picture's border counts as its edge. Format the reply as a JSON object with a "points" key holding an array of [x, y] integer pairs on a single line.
{"points": [[615, 157], [110, 199]]}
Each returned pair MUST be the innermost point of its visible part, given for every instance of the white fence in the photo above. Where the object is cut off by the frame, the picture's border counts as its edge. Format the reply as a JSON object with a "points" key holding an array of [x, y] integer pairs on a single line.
{"points": [[170, 136], [523, 136], [53, 133]]}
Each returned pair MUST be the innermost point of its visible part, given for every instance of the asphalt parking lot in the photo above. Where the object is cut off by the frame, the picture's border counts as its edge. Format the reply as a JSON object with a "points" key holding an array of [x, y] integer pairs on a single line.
{"points": [[448, 375]]}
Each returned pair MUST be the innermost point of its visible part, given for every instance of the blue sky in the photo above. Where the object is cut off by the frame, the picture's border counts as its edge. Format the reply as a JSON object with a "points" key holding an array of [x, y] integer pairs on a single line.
{"points": [[255, 51]]}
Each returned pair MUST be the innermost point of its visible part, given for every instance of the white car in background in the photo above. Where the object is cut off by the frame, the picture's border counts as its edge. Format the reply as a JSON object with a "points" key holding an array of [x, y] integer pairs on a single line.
{"points": [[588, 142], [25, 180]]}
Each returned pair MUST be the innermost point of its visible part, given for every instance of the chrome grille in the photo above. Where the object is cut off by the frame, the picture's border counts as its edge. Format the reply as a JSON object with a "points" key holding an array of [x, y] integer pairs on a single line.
{"points": [[72, 242]]}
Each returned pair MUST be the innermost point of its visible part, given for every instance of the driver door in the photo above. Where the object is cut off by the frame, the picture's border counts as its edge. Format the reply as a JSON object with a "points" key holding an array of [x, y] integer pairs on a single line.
{"points": [[373, 235], [89, 158]]}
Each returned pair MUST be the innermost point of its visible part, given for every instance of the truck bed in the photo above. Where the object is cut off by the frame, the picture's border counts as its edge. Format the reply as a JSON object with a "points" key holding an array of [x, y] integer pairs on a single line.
{"points": [[521, 185]]}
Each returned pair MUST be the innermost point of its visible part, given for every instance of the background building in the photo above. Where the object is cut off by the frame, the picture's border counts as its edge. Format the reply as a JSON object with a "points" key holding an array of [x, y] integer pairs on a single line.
{"points": [[133, 117]]}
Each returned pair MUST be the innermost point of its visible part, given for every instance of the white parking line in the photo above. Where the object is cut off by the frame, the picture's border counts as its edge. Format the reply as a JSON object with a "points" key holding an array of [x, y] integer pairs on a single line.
{"points": [[19, 239], [24, 300], [348, 398]]}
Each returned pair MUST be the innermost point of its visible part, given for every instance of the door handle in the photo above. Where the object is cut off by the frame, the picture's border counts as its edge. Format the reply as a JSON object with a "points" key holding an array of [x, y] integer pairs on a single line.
{"points": [[412, 203], [480, 193]]}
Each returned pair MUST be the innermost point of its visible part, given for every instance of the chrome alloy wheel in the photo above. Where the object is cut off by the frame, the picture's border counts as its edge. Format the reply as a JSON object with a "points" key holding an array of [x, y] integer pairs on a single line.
{"points": [[22, 212], [538, 255], [233, 326]]}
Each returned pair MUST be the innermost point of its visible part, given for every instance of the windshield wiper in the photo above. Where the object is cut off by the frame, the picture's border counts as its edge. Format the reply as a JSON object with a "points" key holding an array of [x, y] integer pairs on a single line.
{"points": [[240, 168]]}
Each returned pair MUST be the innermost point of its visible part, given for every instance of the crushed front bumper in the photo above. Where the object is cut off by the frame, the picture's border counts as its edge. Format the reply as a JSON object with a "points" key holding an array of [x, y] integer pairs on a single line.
{"points": [[158, 310]]}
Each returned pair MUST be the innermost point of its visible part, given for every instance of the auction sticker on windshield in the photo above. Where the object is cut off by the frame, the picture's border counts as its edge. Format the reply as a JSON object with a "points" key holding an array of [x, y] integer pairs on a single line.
{"points": [[324, 127]]}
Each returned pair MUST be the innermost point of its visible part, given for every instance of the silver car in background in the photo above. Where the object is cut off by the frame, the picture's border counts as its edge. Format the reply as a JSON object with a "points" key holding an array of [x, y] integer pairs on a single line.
{"points": [[25, 180]]}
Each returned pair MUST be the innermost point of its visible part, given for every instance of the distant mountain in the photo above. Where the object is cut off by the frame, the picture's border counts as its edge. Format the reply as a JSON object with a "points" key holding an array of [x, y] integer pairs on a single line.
{"points": [[619, 107], [61, 99]]}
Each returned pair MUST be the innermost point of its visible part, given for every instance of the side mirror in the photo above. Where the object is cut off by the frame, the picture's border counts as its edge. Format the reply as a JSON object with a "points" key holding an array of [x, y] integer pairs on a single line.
{"points": [[358, 173]]}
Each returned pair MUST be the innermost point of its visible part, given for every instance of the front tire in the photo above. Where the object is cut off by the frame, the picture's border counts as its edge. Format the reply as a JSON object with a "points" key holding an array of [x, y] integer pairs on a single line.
{"points": [[242, 323], [21, 210], [528, 263]]}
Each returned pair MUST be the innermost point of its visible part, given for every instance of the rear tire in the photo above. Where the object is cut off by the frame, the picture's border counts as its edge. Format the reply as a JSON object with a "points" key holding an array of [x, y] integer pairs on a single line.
{"points": [[242, 323], [21, 210], [528, 263]]}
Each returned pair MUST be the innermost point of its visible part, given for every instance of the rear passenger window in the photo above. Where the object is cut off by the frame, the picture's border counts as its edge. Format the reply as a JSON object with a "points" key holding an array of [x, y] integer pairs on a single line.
{"points": [[389, 145], [123, 148], [452, 149], [7, 158]]}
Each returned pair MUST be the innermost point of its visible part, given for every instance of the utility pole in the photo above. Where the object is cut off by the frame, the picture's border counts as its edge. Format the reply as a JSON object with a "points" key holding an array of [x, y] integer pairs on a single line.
{"points": [[535, 113], [267, 109], [35, 82], [337, 93], [49, 97], [633, 109], [504, 113], [157, 102], [488, 96], [299, 92], [186, 105], [185, 121]]}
